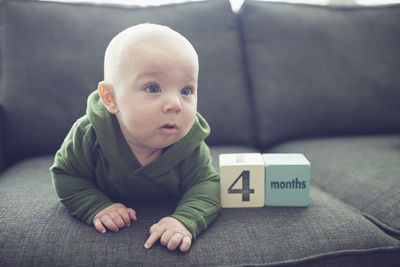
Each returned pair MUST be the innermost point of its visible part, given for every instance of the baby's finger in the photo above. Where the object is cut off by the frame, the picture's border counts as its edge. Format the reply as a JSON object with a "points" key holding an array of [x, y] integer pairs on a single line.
{"points": [[175, 240], [155, 227], [125, 216], [151, 240], [132, 214], [117, 219], [166, 237], [99, 226], [109, 223], [186, 243], [156, 231]]}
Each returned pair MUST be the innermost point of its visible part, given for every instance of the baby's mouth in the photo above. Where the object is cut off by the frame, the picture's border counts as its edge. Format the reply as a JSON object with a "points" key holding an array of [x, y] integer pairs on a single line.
{"points": [[169, 128]]}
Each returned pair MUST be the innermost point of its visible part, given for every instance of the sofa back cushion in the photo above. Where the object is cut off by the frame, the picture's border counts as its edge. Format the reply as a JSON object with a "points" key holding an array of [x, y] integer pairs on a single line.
{"points": [[52, 58], [319, 71]]}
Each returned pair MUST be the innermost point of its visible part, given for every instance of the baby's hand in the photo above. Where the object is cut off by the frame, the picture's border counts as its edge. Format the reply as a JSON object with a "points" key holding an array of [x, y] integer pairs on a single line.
{"points": [[114, 217], [172, 233]]}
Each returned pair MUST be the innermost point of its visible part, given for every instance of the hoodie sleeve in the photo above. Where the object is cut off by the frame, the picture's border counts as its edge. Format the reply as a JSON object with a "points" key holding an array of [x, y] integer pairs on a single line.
{"points": [[73, 174], [200, 202]]}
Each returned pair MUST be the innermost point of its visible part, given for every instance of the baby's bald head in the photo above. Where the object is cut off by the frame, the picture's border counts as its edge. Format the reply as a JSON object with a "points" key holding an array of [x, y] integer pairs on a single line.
{"points": [[136, 41], [150, 85]]}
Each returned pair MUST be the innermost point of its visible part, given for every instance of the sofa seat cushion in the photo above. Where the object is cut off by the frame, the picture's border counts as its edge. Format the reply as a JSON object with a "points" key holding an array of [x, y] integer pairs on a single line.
{"points": [[35, 229], [362, 171]]}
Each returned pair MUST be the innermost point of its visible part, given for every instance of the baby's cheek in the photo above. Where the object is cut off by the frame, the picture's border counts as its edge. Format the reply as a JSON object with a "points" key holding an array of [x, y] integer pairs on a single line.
{"points": [[189, 121]]}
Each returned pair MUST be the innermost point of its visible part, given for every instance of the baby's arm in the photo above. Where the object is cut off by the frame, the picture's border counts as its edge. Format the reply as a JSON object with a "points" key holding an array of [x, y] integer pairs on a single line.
{"points": [[199, 205], [114, 217], [74, 177], [172, 234], [200, 202]]}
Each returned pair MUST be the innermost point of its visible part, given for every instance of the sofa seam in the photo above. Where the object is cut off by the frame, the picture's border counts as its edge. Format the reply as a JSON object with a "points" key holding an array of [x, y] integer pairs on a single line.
{"points": [[328, 255], [105, 4], [340, 8], [247, 77], [387, 229]]}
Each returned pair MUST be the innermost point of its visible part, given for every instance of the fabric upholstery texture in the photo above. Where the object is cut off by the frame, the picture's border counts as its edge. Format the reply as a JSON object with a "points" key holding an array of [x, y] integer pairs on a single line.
{"points": [[322, 71], [330, 228], [272, 73], [67, 59], [362, 171]]}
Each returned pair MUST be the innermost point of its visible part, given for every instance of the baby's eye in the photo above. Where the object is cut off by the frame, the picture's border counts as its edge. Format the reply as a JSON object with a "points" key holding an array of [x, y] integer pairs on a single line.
{"points": [[153, 89], [187, 91]]}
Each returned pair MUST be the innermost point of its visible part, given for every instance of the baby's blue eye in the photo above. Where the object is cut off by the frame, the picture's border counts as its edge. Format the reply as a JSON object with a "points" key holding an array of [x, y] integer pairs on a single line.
{"points": [[153, 89], [187, 91]]}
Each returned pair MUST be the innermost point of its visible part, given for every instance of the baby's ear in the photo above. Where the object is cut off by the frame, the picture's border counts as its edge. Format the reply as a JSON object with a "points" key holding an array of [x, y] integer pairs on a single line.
{"points": [[106, 93]]}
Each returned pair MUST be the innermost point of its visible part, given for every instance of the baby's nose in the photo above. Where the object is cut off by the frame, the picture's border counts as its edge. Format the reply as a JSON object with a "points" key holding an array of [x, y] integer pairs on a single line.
{"points": [[172, 104]]}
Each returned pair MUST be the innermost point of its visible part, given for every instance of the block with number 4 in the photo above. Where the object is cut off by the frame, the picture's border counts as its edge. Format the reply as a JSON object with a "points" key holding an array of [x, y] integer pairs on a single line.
{"points": [[242, 178]]}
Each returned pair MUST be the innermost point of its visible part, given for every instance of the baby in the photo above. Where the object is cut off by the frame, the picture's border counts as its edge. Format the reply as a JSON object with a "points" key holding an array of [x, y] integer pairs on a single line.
{"points": [[141, 139]]}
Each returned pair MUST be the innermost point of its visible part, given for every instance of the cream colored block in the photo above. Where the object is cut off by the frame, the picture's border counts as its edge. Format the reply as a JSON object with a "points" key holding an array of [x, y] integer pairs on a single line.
{"points": [[242, 179]]}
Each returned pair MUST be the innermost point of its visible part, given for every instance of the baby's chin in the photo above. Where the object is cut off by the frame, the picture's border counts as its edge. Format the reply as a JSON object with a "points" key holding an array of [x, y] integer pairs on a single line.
{"points": [[166, 143]]}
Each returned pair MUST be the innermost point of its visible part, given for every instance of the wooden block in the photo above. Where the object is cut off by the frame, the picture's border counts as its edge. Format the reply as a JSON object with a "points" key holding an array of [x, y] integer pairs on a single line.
{"points": [[242, 180], [287, 180]]}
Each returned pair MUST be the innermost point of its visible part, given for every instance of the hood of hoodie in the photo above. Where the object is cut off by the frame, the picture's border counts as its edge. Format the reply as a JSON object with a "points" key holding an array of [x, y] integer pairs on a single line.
{"points": [[117, 151]]}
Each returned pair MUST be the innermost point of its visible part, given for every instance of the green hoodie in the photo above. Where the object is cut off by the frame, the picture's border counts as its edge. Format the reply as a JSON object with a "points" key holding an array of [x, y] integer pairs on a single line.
{"points": [[95, 168]]}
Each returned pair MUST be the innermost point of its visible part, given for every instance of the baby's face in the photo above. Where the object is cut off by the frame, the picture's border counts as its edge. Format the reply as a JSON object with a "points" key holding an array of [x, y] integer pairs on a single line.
{"points": [[156, 93]]}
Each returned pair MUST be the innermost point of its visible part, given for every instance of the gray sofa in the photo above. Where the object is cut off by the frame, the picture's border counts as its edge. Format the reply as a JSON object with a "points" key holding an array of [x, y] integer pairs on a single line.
{"points": [[275, 77]]}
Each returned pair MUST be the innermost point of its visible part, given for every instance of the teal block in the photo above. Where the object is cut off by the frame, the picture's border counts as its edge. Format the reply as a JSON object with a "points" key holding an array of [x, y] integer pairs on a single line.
{"points": [[287, 179]]}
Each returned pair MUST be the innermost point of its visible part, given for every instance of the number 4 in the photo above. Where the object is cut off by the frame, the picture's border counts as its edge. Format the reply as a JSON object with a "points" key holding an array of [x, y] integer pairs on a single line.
{"points": [[245, 191]]}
